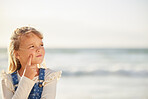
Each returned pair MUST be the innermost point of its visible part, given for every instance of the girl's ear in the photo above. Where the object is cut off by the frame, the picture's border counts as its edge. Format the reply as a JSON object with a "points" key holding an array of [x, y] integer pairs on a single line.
{"points": [[16, 54]]}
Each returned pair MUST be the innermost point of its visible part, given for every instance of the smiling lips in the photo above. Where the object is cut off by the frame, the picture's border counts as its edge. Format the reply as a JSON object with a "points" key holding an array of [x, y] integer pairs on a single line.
{"points": [[39, 56]]}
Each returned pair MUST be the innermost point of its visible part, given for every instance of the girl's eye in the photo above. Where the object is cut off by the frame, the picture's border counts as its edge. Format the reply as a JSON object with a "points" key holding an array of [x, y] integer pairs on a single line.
{"points": [[42, 44], [31, 46]]}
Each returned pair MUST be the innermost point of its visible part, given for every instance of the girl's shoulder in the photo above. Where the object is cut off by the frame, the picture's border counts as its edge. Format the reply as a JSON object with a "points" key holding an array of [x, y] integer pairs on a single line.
{"points": [[5, 75], [6, 80], [51, 75]]}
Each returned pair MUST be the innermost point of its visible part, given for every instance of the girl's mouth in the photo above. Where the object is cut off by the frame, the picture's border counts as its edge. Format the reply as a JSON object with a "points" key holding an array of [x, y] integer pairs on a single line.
{"points": [[39, 56]]}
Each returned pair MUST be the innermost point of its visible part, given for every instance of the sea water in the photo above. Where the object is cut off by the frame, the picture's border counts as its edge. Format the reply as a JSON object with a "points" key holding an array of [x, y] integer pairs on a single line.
{"points": [[97, 73]]}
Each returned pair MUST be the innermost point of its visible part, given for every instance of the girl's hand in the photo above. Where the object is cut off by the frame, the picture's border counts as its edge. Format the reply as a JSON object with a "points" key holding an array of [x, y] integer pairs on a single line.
{"points": [[30, 70]]}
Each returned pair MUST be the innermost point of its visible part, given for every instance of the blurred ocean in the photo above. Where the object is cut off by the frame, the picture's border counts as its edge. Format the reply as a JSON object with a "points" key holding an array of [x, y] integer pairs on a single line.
{"points": [[97, 73]]}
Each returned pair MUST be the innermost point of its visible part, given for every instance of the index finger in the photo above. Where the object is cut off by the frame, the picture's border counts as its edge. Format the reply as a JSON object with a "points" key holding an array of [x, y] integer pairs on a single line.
{"points": [[29, 60]]}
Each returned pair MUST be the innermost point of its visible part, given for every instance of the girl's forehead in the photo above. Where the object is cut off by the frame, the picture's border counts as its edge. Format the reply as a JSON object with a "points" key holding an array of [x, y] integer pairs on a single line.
{"points": [[29, 38]]}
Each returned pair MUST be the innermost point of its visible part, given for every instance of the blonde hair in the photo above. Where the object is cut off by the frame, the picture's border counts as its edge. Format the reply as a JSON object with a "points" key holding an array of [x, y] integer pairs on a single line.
{"points": [[14, 63]]}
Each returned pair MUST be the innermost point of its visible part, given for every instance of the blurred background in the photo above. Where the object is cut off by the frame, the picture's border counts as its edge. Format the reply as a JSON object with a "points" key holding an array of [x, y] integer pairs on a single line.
{"points": [[100, 45]]}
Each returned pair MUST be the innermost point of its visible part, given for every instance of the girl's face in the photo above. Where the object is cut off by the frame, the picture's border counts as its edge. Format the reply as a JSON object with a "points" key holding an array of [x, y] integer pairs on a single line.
{"points": [[30, 44]]}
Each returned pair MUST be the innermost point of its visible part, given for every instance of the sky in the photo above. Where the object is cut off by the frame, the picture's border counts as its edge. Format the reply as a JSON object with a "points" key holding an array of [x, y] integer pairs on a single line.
{"points": [[78, 23]]}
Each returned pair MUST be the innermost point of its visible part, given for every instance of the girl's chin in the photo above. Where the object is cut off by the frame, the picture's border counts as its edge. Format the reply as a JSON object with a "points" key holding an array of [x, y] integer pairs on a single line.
{"points": [[37, 62]]}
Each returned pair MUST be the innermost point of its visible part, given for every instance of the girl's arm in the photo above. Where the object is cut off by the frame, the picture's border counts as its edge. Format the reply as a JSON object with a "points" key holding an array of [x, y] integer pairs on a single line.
{"points": [[49, 90], [24, 87], [50, 83]]}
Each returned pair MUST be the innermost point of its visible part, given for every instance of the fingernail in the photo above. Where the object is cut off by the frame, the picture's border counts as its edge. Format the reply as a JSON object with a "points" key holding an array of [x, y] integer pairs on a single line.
{"points": [[31, 55]]}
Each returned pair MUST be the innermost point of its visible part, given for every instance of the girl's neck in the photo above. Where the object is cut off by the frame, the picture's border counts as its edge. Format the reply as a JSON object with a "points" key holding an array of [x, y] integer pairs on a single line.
{"points": [[21, 71]]}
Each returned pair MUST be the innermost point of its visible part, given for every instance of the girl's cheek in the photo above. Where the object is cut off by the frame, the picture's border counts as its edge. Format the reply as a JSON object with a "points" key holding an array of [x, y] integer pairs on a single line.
{"points": [[30, 53], [43, 51]]}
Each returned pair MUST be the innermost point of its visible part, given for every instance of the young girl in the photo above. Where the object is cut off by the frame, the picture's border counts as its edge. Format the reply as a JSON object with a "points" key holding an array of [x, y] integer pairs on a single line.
{"points": [[28, 78]]}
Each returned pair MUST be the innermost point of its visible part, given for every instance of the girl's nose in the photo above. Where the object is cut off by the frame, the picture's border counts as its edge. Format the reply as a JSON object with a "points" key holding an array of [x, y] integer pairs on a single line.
{"points": [[38, 49]]}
